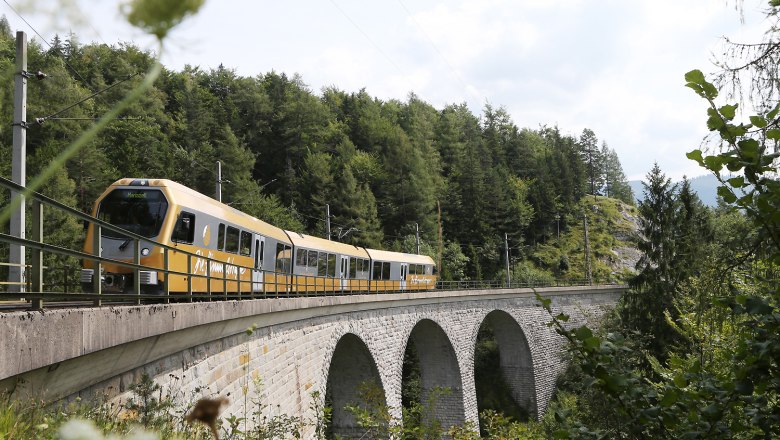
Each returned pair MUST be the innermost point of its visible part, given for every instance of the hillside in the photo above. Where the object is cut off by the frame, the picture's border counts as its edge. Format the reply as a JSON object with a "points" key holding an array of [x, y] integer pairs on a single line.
{"points": [[612, 230]]}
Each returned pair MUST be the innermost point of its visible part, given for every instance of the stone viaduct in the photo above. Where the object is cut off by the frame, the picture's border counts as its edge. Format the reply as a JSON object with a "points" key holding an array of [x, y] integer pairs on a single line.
{"points": [[300, 349]]}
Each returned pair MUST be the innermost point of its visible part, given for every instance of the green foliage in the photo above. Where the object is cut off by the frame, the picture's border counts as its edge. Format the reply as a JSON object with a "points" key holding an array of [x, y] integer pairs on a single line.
{"points": [[718, 376], [157, 17]]}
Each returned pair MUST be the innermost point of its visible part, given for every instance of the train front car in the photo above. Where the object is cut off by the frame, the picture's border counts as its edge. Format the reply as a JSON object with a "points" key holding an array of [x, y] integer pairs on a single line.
{"points": [[138, 206], [396, 271], [223, 250]]}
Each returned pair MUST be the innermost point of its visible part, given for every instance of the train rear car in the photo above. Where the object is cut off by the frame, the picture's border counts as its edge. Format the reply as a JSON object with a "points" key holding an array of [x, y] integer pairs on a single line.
{"points": [[396, 271]]}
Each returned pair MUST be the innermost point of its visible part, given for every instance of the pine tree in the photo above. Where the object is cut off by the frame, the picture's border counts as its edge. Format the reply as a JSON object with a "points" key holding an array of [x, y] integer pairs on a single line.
{"points": [[589, 151], [615, 182], [653, 288]]}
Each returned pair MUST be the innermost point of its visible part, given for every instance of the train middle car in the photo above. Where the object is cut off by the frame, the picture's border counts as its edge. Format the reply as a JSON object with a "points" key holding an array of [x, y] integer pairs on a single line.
{"points": [[226, 250]]}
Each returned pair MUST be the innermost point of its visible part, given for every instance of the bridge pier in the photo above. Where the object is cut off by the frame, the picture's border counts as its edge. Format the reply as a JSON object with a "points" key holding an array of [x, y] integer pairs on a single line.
{"points": [[300, 348]]}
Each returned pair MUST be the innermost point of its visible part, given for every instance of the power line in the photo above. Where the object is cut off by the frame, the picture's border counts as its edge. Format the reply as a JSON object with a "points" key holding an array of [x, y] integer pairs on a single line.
{"points": [[436, 49], [365, 35], [47, 43], [43, 119]]}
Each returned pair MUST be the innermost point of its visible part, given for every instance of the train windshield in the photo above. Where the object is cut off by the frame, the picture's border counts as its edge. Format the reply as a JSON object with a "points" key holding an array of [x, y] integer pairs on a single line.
{"points": [[141, 211]]}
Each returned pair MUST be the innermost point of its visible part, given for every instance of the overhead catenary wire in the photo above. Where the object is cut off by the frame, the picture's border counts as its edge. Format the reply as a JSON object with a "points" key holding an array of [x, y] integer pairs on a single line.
{"points": [[51, 116], [365, 35], [449, 65], [76, 72]]}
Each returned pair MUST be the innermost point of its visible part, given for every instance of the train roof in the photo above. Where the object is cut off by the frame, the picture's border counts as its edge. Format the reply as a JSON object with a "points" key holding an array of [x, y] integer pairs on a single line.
{"points": [[377, 254], [188, 197], [317, 243]]}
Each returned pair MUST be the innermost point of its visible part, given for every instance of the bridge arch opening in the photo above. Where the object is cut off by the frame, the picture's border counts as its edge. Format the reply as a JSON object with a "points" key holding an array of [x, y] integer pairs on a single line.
{"points": [[503, 368], [432, 378], [353, 378]]}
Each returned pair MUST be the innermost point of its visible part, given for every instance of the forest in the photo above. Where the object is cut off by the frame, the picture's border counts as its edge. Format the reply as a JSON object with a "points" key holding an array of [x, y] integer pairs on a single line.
{"points": [[286, 151], [691, 351]]}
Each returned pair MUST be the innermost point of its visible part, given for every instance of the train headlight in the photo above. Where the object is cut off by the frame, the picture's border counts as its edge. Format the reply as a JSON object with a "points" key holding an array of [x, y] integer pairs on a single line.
{"points": [[145, 252]]}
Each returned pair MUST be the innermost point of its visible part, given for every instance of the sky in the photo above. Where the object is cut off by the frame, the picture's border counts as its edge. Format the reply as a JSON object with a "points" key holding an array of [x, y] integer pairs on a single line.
{"points": [[613, 66]]}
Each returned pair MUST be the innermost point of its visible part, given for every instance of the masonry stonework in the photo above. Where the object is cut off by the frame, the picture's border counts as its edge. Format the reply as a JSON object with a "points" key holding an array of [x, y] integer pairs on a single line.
{"points": [[288, 366]]}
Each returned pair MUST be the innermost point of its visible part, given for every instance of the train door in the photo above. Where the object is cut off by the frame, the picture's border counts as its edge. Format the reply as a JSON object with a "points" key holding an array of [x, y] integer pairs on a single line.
{"points": [[257, 273], [404, 273], [344, 275]]}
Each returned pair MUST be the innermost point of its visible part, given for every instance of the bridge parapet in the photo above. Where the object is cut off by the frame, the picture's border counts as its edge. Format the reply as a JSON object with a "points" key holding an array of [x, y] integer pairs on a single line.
{"points": [[66, 352]]}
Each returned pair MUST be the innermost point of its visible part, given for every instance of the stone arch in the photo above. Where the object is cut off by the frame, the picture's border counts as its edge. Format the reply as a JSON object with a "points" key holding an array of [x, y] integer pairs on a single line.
{"points": [[515, 357], [439, 369], [351, 365]]}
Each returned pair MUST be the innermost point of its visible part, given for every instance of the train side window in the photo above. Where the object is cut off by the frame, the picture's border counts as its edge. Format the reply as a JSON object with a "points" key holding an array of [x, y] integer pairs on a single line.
{"points": [[331, 265], [283, 258], [312, 258], [385, 271], [376, 274], [231, 240], [322, 264], [353, 267], [300, 257], [246, 243], [221, 237], [184, 231]]}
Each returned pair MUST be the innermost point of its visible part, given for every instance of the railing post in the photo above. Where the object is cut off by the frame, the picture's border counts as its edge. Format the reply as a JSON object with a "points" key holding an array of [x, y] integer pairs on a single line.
{"points": [[136, 270], [224, 280], [238, 281], [37, 254], [97, 250], [208, 276], [189, 277], [167, 282]]}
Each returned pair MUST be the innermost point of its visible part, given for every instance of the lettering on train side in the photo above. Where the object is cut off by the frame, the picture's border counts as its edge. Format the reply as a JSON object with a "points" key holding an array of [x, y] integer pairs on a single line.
{"points": [[216, 267]]}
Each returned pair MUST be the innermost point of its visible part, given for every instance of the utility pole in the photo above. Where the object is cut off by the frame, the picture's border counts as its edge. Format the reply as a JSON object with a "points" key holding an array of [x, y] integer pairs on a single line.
{"points": [[327, 220], [417, 235], [219, 181], [588, 272], [16, 272], [506, 257], [441, 237]]}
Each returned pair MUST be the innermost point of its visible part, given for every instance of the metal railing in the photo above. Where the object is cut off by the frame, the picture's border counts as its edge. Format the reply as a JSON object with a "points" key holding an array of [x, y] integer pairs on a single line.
{"points": [[221, 281]]}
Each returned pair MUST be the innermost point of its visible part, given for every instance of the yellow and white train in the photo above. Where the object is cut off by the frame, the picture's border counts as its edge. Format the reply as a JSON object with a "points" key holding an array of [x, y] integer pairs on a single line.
{"points": [[219, 249]]}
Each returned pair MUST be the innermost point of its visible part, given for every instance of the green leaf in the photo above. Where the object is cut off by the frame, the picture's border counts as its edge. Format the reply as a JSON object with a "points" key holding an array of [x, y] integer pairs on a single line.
{"points": [[695, 76], [728, 111], [696, 81], [773, 134], [695, 155], [562, 317], [670, 398], [758, 121], [737, 182], [773, 113], [748, 148], [583, 333], [592, 342], [726, 194], [713, 163], [680, 381], [714, 122]]}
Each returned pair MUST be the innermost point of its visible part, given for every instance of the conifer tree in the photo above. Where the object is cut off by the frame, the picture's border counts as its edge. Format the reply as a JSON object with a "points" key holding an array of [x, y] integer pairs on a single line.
{"points": [[653, 288]]}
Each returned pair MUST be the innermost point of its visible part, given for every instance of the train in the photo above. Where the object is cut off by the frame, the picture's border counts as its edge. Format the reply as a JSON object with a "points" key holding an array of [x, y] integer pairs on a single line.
{"points": [[214, 248]]}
